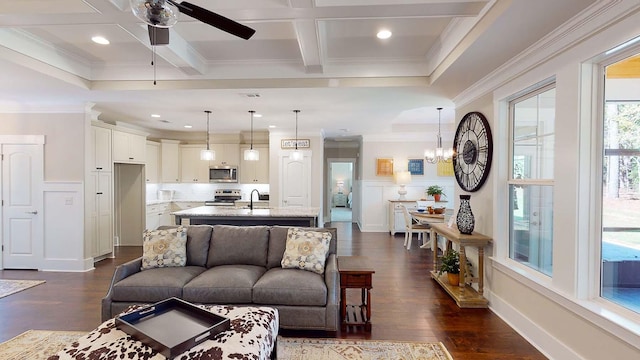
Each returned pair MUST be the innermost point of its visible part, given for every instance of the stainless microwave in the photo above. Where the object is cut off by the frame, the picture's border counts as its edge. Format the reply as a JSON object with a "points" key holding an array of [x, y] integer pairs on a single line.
{"points": [[223, 174]]}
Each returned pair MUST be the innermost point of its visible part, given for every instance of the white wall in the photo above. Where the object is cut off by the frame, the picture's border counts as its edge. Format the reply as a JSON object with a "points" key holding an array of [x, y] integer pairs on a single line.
{"points": [[378, 190], [562, 316]]}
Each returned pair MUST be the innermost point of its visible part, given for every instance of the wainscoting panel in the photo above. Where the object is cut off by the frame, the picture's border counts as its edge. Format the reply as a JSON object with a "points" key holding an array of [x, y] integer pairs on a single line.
{"points": [[64, 227]]}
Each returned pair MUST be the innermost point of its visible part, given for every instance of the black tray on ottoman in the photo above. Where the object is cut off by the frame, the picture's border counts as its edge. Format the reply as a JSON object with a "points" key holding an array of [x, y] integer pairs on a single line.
{"points": [[172, 326]]}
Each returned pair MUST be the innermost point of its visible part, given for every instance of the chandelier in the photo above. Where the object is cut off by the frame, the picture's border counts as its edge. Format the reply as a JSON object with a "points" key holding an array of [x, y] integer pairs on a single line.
{"points": [[440, 154]]}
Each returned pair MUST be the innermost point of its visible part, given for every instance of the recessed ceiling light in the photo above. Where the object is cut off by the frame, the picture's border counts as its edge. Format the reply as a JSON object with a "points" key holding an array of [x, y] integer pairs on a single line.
{"points": [[100, 40], [272, 126], [155, 115], [383, 34], [188, 126], [257, 115]]}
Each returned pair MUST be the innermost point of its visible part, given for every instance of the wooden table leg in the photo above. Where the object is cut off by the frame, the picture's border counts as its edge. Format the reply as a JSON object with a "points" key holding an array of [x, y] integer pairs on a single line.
{"points": [[367, 324], [343, 307], [480, 270], [463, 268]]}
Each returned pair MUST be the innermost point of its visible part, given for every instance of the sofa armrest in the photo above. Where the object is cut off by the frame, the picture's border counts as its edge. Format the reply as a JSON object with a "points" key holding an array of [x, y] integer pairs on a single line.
{"points": [[122, 271], [332, 280]]}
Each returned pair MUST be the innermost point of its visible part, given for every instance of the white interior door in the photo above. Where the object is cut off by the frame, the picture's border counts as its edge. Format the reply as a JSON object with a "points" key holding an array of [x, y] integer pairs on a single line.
{"points": [[296, 182], [22, 218]]}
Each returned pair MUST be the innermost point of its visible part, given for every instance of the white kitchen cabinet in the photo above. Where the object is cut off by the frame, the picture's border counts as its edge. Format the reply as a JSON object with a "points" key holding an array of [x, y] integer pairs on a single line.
{"points": [[100, 196], [100, 156], [396, 217], [254, 172], [129, 147], [169, 161], [192, 169], [226, 154], [158, 215], [151, 168]]}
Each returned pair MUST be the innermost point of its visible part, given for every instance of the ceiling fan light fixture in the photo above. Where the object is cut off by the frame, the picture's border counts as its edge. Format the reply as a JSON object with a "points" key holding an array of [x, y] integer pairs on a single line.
{"points": [[158, 13], [251, 154], [207, 154]]}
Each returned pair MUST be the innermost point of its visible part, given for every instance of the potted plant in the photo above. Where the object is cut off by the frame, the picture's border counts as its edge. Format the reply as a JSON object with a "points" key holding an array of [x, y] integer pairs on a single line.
{"points": [[436, 191], [451, 265]]}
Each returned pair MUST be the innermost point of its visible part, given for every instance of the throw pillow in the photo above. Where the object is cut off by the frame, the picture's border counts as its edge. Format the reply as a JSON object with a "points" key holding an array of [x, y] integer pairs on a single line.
{"points": [[164, 248], [306, 250]]}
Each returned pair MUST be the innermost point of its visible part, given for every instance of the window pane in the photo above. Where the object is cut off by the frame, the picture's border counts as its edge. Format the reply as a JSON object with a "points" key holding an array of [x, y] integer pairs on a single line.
{"points": [[531, 226], [533, 139], [620, 282]]}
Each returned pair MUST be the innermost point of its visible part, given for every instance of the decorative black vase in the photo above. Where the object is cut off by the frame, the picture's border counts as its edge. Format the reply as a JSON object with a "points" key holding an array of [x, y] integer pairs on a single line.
{"points": [[464, 219]]}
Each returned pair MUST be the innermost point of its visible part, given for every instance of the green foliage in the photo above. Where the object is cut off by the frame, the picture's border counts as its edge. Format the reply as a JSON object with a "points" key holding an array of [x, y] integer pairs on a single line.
{"points": [[434, 190], [450, 263]]}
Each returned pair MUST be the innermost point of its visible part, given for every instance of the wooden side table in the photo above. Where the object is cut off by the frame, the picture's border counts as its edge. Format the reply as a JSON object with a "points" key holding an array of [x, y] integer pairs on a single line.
{"points": [[355, 273]]}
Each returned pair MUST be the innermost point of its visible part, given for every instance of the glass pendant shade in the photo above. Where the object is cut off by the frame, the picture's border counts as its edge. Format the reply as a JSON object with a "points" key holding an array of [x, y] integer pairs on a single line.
{"points": [[251, 154], [296, 155], [207, 154], [158, 13]]}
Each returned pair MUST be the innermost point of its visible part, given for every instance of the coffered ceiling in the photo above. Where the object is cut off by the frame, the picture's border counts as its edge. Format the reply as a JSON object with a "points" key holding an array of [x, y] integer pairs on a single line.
{"points": [[319, 56]]}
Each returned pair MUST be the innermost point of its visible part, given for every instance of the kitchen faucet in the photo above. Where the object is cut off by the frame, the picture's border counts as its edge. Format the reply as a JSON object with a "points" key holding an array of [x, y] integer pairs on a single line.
{"points": [[251, 198]]}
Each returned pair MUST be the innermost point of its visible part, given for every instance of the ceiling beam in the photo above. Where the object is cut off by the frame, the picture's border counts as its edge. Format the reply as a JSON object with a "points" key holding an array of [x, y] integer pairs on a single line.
{"points": [[307, 35]]}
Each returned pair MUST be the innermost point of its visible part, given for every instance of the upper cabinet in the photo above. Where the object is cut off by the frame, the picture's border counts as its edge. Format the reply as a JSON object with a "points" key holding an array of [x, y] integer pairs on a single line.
{"points": [[255, 172], [192, 169], [170, 161], [101, 150], [226, 154], [153, 160], [129, 147]]}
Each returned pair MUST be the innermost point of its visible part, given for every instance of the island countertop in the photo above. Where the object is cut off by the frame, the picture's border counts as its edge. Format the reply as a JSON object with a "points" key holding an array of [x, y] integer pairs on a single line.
{"points": [[212, 215]]}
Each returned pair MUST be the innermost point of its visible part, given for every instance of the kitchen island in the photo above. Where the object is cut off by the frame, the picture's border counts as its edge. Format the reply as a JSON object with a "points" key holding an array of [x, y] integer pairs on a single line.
{"points": [[216, 215]]}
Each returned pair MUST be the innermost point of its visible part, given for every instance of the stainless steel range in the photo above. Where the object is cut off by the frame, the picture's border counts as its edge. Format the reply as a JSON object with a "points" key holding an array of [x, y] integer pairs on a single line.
{"points": [[224, 197]]}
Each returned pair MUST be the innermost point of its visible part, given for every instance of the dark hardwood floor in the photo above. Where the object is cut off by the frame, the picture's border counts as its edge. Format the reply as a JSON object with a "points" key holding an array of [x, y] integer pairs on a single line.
{"points": [[407, 303]]}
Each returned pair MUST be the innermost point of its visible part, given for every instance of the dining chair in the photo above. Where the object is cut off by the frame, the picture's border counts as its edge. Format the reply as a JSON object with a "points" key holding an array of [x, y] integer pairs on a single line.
{"points": [[412, 227]]}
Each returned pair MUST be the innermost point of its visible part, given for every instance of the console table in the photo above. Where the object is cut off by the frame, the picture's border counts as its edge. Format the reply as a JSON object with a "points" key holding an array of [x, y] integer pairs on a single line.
{"points": [[464, 295]]}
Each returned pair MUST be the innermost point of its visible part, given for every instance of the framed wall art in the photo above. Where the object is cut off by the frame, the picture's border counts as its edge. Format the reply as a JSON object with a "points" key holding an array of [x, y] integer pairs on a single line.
{"points": [[416, 166], [384, 167]]}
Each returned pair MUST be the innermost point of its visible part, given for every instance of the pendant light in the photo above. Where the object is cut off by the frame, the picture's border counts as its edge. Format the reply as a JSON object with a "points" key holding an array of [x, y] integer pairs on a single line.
{"points": [[207, 154], [251, 154], [440, 154], [296, 154]]}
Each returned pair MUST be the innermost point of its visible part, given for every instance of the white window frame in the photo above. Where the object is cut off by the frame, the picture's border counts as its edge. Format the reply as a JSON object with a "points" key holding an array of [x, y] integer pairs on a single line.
{"points": [[525, 94]]}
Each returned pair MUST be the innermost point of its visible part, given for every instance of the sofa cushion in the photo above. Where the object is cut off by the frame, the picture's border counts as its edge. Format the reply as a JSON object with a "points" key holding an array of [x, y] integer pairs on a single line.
{"points": [[278, 243], [164, 248], [198, 239], [155, 284], [290, 287], [306, 250], [238, 245], [224, 284]]}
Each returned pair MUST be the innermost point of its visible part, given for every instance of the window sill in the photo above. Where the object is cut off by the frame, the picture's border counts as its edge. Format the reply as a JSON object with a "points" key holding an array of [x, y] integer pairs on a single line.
{"points": [[618, 321]]}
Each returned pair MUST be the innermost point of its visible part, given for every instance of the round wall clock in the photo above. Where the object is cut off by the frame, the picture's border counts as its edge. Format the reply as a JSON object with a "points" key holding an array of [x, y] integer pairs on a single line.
{"points": [[473, 148]]}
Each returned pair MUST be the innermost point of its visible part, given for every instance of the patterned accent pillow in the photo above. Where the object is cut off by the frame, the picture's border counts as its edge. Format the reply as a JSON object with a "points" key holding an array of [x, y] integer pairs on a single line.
{"points": [[306, 250], [164, 248]]}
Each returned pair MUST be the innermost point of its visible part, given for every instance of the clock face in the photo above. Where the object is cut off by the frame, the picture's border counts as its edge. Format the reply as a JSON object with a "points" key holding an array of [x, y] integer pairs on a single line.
{"points": [[473, 148]]}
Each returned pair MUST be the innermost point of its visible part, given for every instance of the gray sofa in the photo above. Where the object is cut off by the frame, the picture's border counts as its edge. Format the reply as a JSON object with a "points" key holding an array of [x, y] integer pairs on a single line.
{"points": [[236, 265]]}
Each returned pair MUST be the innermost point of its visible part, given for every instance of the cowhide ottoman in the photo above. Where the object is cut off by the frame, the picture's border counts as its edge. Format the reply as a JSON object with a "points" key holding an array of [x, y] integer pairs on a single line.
{"points": [[252, 335]]}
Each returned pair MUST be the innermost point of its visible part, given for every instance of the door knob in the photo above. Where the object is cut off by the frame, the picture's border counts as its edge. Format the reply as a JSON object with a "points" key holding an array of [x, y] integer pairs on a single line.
{"points": [[32, 212]]}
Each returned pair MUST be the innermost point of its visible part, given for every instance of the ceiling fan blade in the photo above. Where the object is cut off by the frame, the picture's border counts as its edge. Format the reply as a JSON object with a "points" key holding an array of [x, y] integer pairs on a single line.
{"points": [[158, 36], [215, 20]]}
